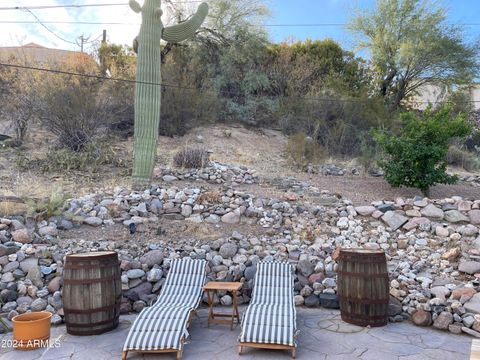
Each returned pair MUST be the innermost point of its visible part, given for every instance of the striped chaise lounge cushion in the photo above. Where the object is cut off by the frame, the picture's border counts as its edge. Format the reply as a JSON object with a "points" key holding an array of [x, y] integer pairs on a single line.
{"points": [[164, 325], [271, 317]]}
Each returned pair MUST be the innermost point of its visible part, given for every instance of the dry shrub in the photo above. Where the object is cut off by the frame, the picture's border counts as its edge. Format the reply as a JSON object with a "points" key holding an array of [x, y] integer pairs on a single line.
{"points": [[192, 158], [461, 158], [303, 150]]}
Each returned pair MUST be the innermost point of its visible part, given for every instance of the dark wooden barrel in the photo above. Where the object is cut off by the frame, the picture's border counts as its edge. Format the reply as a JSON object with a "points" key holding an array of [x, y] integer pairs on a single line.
{"points": [[363, 287], [92, 292]]}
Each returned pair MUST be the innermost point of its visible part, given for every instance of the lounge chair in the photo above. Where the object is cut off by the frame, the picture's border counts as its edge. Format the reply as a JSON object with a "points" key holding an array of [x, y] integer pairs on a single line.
{"points": [[162, 327], [270, 319]]}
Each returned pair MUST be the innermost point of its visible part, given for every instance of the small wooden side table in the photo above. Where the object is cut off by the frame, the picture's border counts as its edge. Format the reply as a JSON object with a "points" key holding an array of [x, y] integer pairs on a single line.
{"points": [[213, 286]]}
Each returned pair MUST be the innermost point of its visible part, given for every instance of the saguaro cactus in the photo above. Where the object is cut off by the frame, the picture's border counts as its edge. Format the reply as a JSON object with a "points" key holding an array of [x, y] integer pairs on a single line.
{"points": [[147, 90]]}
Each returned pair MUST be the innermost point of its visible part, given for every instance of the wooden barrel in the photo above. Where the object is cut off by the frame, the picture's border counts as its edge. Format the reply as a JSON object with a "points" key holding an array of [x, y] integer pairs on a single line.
{"points": [[363, 287], [92, 292]]}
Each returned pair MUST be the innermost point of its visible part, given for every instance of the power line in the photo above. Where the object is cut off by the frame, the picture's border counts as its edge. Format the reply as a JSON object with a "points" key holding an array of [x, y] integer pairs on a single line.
{"points": [[138, 24], [62, 72], [50, 31], [44, 7]]}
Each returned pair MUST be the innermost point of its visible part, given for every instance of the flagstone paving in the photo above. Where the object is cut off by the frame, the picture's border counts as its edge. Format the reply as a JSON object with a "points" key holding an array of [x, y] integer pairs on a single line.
{"points": [[322, 336]]}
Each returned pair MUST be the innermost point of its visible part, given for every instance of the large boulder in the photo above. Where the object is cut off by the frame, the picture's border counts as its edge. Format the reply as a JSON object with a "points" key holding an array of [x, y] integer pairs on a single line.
{"points": [[152, 257], [473, 305], [455, 216], [469, 267], [228, 250], [432, 212], [394, 220], [422, 318], [474, 216], [365, 210], [443, 320], [22, 236]]}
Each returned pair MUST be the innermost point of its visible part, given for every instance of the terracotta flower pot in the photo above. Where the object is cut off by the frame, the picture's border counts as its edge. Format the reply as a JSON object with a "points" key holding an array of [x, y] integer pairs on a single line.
{"points": [[31, 330]]}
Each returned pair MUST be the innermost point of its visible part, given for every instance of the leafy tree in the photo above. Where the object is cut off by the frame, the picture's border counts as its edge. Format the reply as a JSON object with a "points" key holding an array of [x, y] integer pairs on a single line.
{"points": [[411, 45], [416, 157]]}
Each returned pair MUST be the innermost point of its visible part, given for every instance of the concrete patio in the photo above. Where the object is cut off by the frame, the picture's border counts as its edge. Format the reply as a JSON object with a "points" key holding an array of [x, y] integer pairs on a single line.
{"points": [[322, 336]]}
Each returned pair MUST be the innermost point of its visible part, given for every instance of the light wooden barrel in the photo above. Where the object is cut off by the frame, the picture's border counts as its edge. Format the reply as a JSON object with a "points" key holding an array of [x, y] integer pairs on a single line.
{"points": [[92, 292], [363, 287]]}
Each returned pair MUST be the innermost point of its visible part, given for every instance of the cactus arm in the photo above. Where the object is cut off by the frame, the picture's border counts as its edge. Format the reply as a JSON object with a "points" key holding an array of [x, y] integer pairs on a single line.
{"points": [[135, 6], [180, 32]]}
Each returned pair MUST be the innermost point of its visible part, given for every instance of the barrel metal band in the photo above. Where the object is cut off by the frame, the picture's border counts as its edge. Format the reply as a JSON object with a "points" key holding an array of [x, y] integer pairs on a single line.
{"points": [[88, 325], [364, 301], [92, 311], [363, 260], [84, 265], [90, 281], [348, 315], [362, 275]]}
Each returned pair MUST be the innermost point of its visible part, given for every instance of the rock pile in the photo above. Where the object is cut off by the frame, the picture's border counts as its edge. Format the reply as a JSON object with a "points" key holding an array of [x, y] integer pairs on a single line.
{"points": [[473, 180], [432, 247], [214, 173]]}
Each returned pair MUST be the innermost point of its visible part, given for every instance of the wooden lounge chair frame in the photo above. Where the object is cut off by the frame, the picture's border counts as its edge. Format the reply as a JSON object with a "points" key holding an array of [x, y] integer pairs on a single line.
{"points": [[267, 346], [179, 352]]}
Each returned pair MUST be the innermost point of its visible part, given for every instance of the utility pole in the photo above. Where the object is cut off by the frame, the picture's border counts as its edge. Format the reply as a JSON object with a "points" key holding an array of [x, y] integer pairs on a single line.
{"points": [[104, 37], [83, 40]]}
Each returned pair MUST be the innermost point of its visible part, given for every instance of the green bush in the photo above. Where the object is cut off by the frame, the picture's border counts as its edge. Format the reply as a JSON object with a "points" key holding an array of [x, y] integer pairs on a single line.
{"points": [[417, 156]]}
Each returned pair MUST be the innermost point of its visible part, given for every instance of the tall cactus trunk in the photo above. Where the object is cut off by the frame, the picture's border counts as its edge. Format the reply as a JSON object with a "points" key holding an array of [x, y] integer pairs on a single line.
{"points": [[148, 90], [147, 94]]}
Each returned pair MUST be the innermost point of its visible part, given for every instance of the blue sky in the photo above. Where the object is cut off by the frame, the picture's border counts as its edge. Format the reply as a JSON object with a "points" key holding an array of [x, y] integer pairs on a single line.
{"points": [[339, 11], [282, 12]]}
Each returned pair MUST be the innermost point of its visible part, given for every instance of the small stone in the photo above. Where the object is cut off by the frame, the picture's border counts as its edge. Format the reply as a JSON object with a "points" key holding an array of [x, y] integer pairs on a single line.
{"points": [[451, 254], [135, 273], [471, 332], [138, 306], [169, 178], [226, 300], [422, 318], [48, 231], [154, 275], [465, 291], [329, 301], [455, 329], [298, 299], [468, 321], [305, 267], [56, 319], [441, 231], [312, 301], [250, 272], [231, 218], [93, 221], [228, 250], [342, 223], [38, 305], [54, 284]]}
